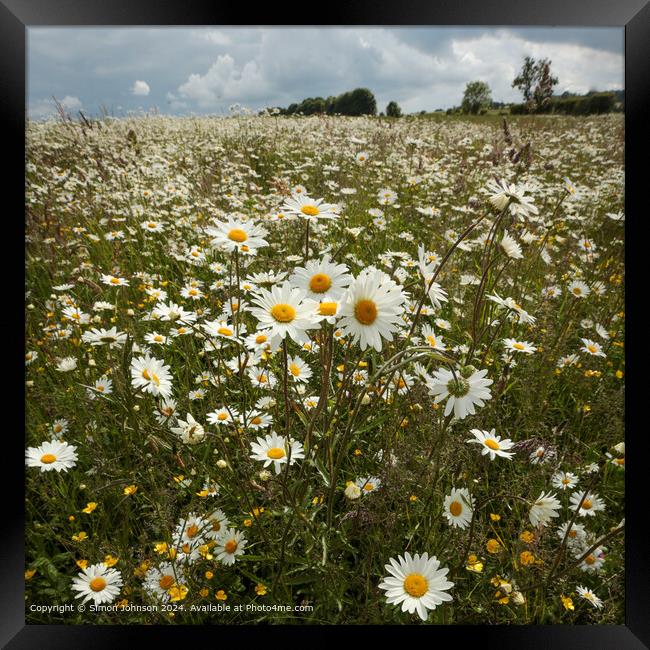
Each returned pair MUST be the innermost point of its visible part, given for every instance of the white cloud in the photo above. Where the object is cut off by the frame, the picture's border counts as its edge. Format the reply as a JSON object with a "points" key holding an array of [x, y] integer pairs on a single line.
{"points": [[225, 82], [216, 37], [71, 103], [140, 88]]}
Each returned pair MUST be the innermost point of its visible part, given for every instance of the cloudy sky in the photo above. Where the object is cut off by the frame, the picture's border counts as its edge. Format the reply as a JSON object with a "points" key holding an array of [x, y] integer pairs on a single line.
{"points": [[207, 69]]}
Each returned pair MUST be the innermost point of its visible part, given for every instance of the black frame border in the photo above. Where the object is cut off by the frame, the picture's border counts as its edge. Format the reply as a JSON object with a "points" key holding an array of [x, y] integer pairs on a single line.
{"points": [[17, 15]]}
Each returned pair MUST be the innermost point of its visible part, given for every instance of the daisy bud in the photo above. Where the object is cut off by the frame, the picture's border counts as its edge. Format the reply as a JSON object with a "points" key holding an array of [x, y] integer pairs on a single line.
{"points": [[352, 491], [221, 464], [518, 598], [264, 475], [91, 363], [130, 312]]}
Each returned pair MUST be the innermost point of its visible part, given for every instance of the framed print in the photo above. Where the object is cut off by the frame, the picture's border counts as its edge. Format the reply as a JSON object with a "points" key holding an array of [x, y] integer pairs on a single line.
{"points": [[325, 324]]}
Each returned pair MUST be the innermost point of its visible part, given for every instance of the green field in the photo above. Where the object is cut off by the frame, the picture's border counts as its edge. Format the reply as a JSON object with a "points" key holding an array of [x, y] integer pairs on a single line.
{"points": [[267, 355]]}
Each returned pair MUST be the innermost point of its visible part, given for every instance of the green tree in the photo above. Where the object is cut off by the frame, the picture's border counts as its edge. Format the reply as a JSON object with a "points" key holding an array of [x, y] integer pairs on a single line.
{"points": [[477, 96], [525, 79], [536, 83], [393, 110], [359, 101]]}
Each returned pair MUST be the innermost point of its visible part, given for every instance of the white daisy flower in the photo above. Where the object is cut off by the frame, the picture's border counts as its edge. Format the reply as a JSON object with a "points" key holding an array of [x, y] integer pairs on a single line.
{"points": [[589, 596], [519, 346], [464, 390], [578, 288], [564, 480], [52, 455], [189, 431], [510, 247], [417, 583], [368, 484], [590, 506], [277, 450], [457, 508], [544, 509], [320, 278], [593, 348], [229, 545], [97, 583], [310, 209], [371, 309], [218, 524], [234, 234], [151, 375], [159, 580], [492, 444], [283, 311]]}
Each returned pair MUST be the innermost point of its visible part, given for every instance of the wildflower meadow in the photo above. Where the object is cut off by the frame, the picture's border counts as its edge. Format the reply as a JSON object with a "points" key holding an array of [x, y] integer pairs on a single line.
{"points": [[325, 370]]}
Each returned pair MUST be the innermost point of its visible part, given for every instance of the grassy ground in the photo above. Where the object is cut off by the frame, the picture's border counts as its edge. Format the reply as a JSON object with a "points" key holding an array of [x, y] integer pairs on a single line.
{"points": [[364, 416]]}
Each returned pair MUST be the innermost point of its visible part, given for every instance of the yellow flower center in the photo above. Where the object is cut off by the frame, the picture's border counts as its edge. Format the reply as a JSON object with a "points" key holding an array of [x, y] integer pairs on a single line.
{"points": [[222, 416], [283, 313], [577, 291], [416, 585], [216, 526], [519, 346], [294, 370], [455, 508], [158, 338], [320, 283], [192, 531], [151, 377], [230, 546], [115, 280], [492, 444], [260, 339], [566, 481], [592, 348], [587, 504], [310, 210], [238, 235], [224, 331], [590, 559], [275, 453], [368, 487], [256, 420], [98, 584], [432, 341], [166, 582], [327, 308], [365, 312], [48, 459]]}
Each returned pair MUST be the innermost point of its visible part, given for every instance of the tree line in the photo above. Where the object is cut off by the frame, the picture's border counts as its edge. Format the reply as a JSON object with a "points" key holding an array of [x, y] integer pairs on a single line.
{"points": [[359, 101]]}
